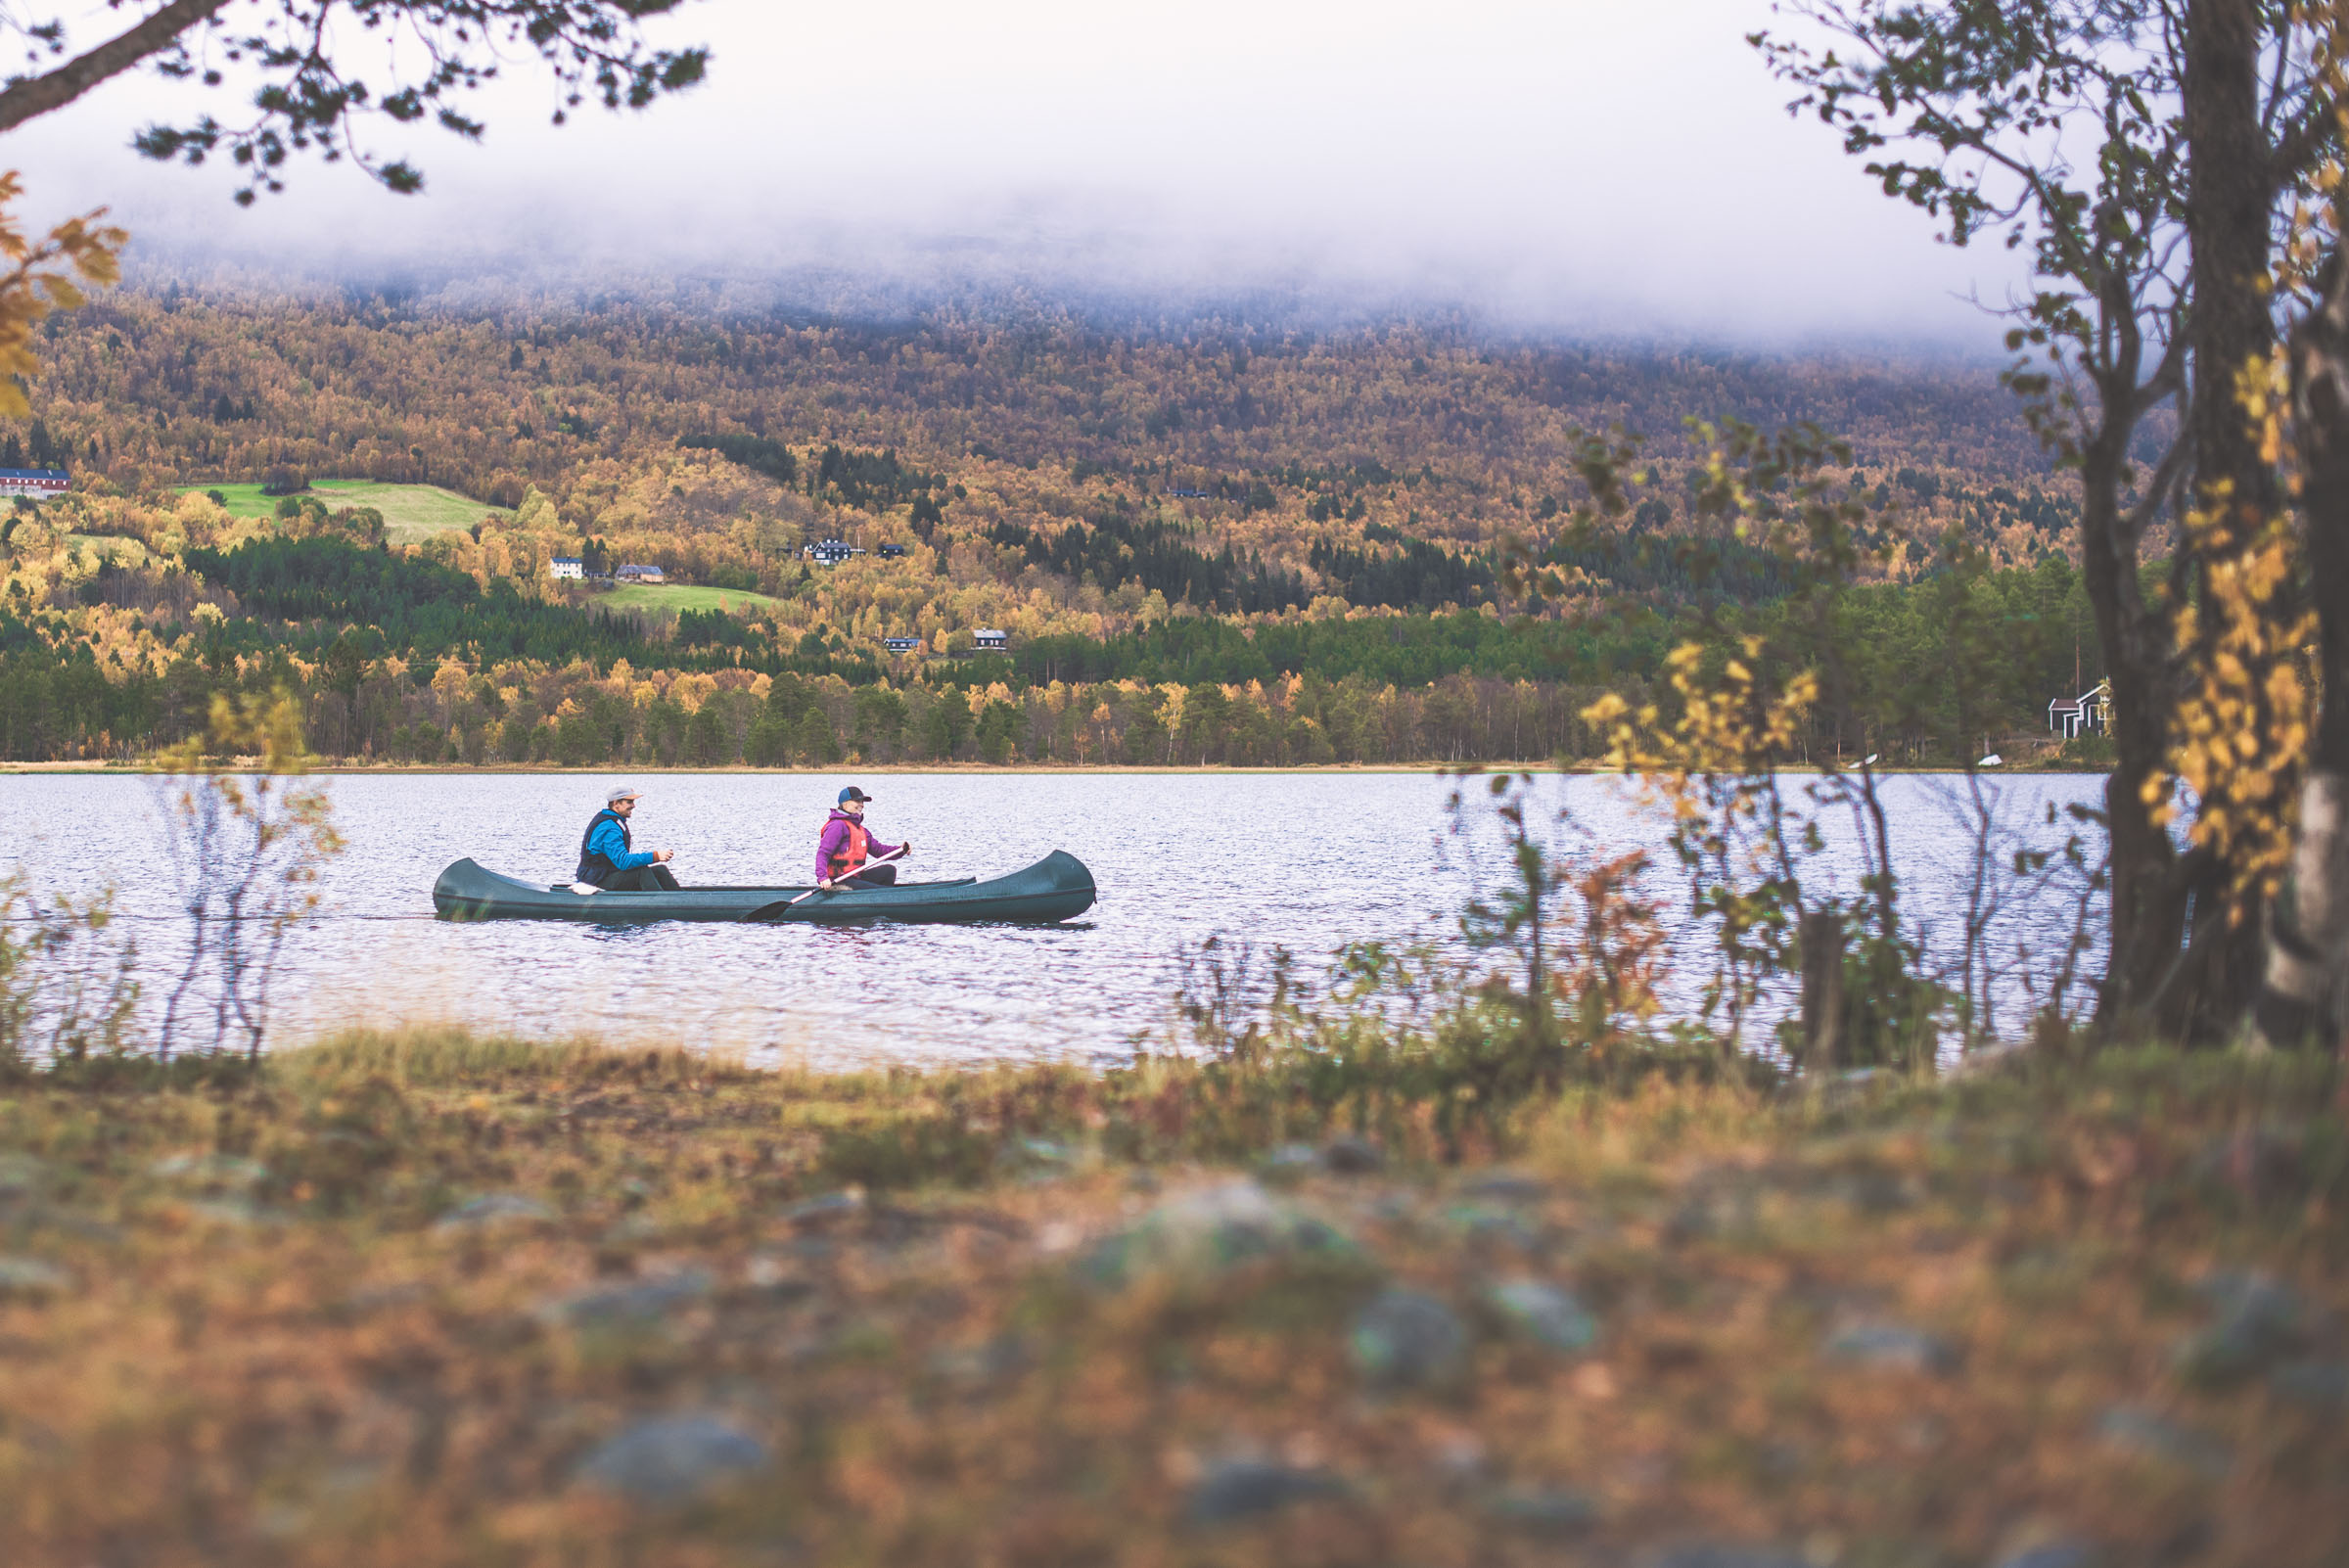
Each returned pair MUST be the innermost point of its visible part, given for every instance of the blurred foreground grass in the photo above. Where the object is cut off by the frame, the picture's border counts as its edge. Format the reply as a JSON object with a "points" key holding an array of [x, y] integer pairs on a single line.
{"points": [[428, 1299]]}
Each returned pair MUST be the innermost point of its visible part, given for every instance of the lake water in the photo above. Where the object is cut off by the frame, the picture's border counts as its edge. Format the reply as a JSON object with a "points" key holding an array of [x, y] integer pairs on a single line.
{"points": [[1309, 861]]}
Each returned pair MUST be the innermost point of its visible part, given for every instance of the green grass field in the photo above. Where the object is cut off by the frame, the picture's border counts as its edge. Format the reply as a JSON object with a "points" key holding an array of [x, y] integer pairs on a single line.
{"points": [[411, 511], [680, 597]]}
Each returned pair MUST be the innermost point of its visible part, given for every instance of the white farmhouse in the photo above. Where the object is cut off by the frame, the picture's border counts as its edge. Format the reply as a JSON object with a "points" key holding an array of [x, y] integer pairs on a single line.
{"points": [[568, 567]]}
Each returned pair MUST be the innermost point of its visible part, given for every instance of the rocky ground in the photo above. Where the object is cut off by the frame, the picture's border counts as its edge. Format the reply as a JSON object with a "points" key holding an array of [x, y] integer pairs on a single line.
{"points": [[440, 1302]]}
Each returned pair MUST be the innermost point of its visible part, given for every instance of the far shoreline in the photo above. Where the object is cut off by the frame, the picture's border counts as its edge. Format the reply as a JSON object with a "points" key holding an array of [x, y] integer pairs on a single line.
{"points": [[1028, 769]]}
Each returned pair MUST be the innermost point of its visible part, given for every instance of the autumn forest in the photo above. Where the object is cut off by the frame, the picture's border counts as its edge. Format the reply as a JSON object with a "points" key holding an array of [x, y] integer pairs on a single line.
{"points": [[1204, 541]]}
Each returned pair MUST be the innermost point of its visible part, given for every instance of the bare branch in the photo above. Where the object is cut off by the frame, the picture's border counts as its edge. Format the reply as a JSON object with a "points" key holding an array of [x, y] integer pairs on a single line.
{"points": [[156, 33]]}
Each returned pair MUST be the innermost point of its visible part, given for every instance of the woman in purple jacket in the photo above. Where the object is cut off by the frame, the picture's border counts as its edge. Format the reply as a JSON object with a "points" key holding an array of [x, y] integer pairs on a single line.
{"points": [[844, 847]]}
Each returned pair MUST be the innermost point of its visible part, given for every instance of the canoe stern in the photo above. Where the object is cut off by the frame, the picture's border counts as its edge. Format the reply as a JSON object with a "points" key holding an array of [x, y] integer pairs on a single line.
{"points": [[466, 891]]}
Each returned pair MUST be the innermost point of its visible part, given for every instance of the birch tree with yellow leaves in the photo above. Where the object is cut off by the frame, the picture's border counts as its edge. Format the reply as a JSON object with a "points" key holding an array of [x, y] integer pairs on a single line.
{"points": [[2141, 154], [2301, 411]]}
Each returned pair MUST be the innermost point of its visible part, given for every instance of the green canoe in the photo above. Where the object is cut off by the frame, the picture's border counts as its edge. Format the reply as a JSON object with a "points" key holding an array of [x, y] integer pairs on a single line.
{"points": [[1057, 887]]}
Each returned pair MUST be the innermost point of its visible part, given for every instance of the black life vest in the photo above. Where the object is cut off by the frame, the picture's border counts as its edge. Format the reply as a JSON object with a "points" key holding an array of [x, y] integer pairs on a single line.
{"points": [[595, 867]]}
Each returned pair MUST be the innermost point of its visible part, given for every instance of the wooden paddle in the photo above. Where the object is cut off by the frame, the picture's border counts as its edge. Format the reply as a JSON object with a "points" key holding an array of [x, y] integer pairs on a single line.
{"points": [[781, 905]]}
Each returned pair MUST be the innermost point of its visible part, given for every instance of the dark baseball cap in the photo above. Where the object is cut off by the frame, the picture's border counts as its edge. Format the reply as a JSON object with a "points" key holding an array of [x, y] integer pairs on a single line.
{"points": [[852, 792]]}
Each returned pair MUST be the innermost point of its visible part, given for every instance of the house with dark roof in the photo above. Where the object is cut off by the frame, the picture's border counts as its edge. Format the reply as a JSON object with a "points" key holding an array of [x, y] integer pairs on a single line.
{"points": [[2090, 711], [34, 482]]}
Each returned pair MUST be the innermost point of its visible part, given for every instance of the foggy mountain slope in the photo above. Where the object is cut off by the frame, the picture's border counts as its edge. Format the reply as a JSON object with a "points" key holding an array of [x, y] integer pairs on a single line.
{"points": [[154, 388]]}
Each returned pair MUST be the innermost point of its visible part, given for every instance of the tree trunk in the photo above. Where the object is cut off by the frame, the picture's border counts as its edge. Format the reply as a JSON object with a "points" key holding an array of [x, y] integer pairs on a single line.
{"points": [[2147, 906], [2186, 956], [1821, 934], [2308, 928], [2230, 199]]}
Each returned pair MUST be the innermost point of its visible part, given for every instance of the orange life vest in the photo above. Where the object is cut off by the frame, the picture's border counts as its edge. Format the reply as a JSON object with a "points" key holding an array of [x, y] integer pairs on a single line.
{"points": [[850, 858]]}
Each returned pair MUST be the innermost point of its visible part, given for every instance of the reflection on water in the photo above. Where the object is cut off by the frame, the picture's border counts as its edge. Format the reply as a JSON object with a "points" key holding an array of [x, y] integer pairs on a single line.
{"points": [[1309, 861]]}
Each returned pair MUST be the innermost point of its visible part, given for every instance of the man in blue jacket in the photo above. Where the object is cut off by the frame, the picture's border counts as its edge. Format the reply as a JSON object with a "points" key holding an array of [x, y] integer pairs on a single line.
{"points": [[608, 855]]}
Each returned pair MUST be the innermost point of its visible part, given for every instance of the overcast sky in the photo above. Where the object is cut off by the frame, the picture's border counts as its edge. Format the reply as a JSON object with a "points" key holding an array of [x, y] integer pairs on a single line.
{"points": [[1607, 167]]}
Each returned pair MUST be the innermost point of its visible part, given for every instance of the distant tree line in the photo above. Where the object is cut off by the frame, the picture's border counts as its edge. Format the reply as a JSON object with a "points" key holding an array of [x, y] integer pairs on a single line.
{"points": [[757, 453], [35, 448], [360, 632], [1415, 575], [1113, 546], [871, 482]]}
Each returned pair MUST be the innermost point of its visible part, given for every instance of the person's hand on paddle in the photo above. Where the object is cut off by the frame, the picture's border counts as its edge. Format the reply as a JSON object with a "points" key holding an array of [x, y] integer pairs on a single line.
{"points": [[835, 884]]}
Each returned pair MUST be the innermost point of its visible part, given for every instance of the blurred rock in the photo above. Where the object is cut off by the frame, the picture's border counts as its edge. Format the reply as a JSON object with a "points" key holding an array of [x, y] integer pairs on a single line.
{"points": [[2320, 1385], [638, 1229], [672, 1458], [824, 1209], [1721, 1555], [1494, 1225], [1505, 1186], [1209, 1230], [1713, 1209], [1233, 1490], [1894, 1345], [1290, 1163], [215, 1171], [2259, 1324], [2052, 1555], [1550, 1317], [1873, 1190], [2141, 1432], [1546, 1514], [1407, 1339], [1460, 1457], [22, 1177], [1036, 1154], [1353, 1156], [778, 1279], [236, 1209], [2264, 1165], [32, 1280], [637, 1304], [991, 1360], [492, 1209]]}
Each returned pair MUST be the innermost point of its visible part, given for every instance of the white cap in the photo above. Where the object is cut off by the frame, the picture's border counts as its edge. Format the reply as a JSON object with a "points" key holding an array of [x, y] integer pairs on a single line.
{"points": [[620, 793]]}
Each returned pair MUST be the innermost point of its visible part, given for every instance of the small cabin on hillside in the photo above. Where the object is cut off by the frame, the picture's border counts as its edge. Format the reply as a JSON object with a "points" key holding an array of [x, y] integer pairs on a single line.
{"points": [[891, 552], [569, 568], [34, 482], [830, 552], [1188, 495], [986, 639], [640, 574], [2090, 711], [900, 645]]}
